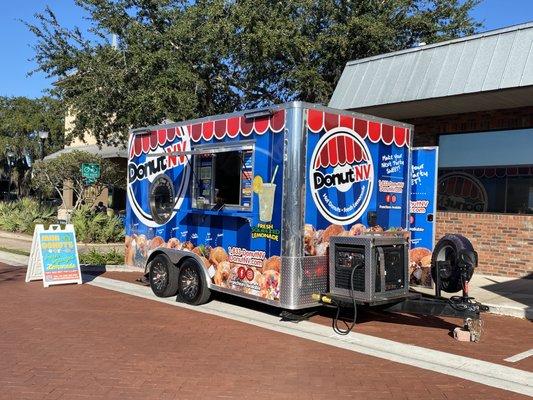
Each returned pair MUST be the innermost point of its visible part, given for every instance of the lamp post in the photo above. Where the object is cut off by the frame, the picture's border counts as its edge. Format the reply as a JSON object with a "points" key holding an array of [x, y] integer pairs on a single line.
{"points": [[43, 135], [10, 155]]}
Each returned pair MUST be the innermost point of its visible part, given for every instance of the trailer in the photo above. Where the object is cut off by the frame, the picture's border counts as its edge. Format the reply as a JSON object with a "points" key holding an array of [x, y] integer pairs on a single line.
{"points": [[273, 205]]}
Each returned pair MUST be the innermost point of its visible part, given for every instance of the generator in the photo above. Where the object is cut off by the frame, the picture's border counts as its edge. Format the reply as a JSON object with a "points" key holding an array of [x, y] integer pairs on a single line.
{"points": [[370, 268]]}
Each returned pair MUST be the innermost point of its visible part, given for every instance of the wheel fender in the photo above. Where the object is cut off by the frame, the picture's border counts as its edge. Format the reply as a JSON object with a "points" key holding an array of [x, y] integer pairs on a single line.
{"points": [[177, 257]]}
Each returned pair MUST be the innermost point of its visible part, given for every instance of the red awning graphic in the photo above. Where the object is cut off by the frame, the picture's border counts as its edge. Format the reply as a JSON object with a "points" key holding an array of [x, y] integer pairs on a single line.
{"points": [[340, 150], [500, 172], [463, 186], [318, 121], [208, 130]]}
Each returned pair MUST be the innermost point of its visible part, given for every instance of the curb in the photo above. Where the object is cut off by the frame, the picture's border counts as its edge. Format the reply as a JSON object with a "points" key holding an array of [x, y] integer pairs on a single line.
{"points": [[509, 311], [17, 260], [109, 268]]}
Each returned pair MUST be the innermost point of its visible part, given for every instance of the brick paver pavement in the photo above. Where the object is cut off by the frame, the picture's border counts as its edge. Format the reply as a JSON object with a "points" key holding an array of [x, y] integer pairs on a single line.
{"points": [[502, 336], [81, 342]]}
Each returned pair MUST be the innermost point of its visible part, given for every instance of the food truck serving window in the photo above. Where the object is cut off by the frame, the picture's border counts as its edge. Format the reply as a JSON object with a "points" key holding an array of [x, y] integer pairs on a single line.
{"points": [[223, 179]]}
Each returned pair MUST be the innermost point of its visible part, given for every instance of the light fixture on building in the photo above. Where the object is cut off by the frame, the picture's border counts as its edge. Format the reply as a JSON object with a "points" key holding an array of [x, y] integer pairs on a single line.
{"points": [[43, 135]]}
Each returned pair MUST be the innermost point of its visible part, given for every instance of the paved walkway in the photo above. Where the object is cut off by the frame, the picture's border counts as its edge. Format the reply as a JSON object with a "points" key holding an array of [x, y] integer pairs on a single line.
{"points": [[505, 296], [19, 242], [81, 342]]}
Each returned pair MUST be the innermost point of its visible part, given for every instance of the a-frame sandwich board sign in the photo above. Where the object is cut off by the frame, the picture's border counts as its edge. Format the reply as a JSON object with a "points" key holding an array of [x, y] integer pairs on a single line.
{"points": [[35, 268], [54, 256]]}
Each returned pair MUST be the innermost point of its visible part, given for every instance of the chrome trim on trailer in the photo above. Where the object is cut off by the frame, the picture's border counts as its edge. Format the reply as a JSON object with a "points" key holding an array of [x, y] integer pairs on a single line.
{"points": [[292, 204], [303, 277], [293, 185], [247, 296]]}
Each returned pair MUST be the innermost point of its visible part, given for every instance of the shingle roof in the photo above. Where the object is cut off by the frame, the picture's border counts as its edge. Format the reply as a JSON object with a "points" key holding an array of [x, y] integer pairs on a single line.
{"points": [[499, 59]]}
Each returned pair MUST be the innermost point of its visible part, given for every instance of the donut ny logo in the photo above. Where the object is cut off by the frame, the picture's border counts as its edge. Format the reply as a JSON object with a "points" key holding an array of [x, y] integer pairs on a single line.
{"points": [[143, 168], [341, 176]]}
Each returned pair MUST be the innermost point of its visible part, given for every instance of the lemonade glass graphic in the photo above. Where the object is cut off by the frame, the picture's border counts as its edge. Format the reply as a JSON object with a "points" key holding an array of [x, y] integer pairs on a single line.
{"points": [[266, 193], [266, 202]]}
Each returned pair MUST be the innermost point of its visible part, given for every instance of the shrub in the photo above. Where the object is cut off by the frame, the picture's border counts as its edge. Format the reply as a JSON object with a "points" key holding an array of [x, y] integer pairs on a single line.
{"points": [[22, 215], [94, 227], [95, 257]]}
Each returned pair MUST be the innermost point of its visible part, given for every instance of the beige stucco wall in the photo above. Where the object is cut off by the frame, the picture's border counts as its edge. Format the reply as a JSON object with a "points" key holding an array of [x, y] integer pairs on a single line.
{"points": [[88, 139]]}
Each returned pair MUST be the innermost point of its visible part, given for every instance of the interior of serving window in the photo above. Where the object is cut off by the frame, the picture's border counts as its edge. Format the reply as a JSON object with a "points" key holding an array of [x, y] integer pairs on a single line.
{"points": [[222, 177]]}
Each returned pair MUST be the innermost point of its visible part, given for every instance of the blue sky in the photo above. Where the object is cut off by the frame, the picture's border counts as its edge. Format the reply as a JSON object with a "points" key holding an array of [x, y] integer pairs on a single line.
{"points": [[15, 45]]}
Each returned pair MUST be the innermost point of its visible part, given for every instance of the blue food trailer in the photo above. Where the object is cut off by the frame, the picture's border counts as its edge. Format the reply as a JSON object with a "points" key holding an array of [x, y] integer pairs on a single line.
{"points": [[247, 203], [293, 205]]}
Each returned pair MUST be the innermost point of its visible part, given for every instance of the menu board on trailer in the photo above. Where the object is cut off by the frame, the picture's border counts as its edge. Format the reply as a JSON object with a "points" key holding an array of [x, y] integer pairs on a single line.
{"points": [[422, 212], [246, 178]]}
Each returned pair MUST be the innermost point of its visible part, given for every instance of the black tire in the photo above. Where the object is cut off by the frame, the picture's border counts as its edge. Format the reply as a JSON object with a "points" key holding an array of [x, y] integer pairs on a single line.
{"points": [[163, 275], [447, 249], [192, 285]]}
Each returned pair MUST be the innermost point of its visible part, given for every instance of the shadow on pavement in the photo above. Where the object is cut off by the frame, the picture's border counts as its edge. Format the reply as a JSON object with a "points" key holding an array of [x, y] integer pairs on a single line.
{"points": [[10, 273], [320, 315], [365, 315], [90, 276]]}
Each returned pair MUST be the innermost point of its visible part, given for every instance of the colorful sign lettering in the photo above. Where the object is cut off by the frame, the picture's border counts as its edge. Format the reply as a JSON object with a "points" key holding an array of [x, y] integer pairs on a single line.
{"points": [[54, 256], [422, 213]]}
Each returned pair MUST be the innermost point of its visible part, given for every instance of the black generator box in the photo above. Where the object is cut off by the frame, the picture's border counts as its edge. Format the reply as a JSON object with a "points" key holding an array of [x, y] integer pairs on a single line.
{"points": [[370, 268]]}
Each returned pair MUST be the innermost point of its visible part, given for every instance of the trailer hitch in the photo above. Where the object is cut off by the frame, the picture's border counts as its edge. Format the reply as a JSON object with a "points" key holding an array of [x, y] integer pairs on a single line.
{"points": [[467, 304]]}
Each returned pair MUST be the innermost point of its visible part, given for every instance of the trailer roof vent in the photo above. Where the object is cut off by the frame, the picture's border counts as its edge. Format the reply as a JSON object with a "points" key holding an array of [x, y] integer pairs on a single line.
{"points": [[261, 113]]}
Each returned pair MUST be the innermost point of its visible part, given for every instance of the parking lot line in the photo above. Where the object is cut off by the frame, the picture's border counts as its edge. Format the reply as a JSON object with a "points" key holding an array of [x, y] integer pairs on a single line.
{"points": [[484, 372], [520, 356]]}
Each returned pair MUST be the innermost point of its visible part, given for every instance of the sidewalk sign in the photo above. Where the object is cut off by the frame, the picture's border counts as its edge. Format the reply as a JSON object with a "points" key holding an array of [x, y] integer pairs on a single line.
{"points": [[54, 256], [35, 268], [422, 213]]}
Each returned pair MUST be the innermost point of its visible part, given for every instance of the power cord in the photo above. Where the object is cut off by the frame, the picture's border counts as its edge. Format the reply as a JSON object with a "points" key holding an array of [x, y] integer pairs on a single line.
{"points": [[335, 322]]}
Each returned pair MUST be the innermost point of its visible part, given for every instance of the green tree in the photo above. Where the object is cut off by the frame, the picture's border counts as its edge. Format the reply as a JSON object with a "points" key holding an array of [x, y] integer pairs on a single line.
{"points": [[20, 120], [63, 173], [180, 59]]}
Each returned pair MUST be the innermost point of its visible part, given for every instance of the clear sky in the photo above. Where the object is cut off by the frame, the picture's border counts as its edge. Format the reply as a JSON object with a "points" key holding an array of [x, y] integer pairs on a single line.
{"points": [[16, 40]]}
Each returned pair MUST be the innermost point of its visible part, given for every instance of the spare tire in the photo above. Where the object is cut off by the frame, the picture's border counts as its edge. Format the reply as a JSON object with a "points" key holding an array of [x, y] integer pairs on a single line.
{"points": [[449, 249]]}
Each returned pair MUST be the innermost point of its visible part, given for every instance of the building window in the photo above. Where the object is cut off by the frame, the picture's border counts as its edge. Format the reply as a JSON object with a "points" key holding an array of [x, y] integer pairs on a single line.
{"points": [[223, 179], [486, 172], [499, 190]]}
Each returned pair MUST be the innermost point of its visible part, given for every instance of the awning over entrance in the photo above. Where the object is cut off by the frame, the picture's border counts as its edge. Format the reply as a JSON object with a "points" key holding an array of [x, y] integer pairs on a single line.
{"points": [[488, 71]]}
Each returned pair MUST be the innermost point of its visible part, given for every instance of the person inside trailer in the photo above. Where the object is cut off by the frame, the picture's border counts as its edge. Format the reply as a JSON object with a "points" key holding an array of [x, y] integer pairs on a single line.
{"points": [[219, 201]]}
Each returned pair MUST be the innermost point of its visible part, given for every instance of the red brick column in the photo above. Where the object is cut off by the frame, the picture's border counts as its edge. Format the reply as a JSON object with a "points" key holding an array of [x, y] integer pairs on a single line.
{"points": [[504, 242]]}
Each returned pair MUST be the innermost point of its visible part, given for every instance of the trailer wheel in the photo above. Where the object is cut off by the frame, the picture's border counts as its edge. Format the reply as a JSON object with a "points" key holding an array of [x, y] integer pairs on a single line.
{"points": [[163, 276], [448, 249], [192, 286]]}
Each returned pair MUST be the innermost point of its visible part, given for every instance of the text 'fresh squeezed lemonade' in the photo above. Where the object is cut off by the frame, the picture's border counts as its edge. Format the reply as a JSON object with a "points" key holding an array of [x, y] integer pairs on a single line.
{"points": [[266, 201]]}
